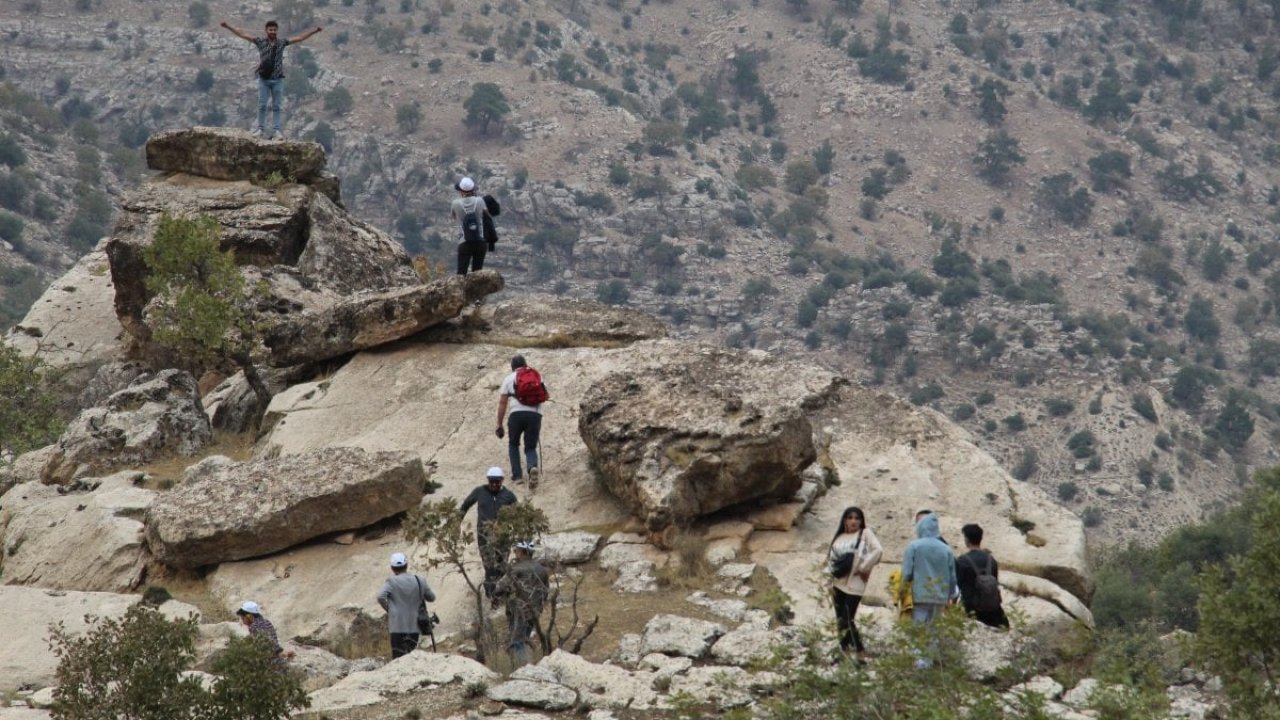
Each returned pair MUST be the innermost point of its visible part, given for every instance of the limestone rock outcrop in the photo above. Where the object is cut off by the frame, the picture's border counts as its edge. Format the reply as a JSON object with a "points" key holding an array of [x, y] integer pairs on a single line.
{"points": [[155, 415], [709, 430], [276, 211], [76, 541], [229, 511], [26, 614], [370, 319]]}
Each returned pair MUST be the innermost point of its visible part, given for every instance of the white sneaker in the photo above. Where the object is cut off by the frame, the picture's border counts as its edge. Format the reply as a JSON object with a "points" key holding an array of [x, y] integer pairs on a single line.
{"points": [[257, 132], [277, 135]]}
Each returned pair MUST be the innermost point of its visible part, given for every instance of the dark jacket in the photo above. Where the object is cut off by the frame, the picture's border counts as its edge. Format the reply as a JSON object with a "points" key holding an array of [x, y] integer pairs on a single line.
{"points": [[525, 588], [967, 567], [487, 503]]}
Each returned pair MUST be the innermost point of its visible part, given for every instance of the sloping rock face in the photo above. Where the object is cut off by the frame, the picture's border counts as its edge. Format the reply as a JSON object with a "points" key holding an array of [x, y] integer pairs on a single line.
{"points": [[230, 511], [369, 320], [225, 154], [77, 541], [293, 239], [72, 326], [552, 321], [25, 617], [713, 429], [156, 415]]}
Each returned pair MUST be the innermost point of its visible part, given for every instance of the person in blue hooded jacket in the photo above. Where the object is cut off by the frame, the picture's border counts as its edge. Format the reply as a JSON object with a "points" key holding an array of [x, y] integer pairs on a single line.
{"points": [[931, 569]]}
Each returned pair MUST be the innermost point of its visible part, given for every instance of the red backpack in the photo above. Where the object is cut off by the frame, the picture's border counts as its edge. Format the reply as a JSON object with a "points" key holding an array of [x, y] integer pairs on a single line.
{"points": [[529, 388]]}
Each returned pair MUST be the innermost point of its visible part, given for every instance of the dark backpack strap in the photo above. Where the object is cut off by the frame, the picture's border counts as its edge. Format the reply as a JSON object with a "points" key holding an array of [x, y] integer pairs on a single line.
{"points": [[422, 594]]}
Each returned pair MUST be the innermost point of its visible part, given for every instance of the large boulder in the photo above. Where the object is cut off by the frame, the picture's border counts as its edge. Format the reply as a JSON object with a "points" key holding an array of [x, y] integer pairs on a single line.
{"points": [[226, 154], [411, 672], [156, 415], [371, 319], [712, 429], [75, 541], [72, 326], [229, 511], [26, 614]]}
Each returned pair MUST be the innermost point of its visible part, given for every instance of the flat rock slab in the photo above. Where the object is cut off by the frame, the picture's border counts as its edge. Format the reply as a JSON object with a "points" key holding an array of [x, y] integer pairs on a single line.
{"points": [[711, 429], [535, 694], [227, 154], [568, 548], [77, 541], [26, 614], [676, 635], [372, 319], [556, 321], [411, 672], [224, 512]]}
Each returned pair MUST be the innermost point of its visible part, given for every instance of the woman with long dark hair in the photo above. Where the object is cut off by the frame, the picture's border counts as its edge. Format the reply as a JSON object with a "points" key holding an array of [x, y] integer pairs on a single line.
{"points": [[854, 537]]}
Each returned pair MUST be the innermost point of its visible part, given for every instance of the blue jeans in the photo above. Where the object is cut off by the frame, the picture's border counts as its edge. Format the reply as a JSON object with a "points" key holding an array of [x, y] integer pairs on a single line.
{"points": [[521, 628], [272, 90], [529, 424], [925, 614]]}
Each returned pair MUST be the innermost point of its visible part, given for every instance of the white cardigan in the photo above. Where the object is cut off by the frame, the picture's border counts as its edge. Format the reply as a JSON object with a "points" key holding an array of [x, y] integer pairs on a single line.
{"points": [[866, 556]]}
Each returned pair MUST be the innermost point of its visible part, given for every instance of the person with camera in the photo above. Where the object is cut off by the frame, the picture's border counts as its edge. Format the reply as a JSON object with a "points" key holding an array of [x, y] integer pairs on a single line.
{"points": [[270, 73], [853, 553], [401, 596]]}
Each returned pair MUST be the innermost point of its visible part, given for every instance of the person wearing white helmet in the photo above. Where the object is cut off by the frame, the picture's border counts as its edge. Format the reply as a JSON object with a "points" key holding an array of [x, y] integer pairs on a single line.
{"points": [[250, 614], [489, 499], [401, 596], [524, 587], [469, 211]]}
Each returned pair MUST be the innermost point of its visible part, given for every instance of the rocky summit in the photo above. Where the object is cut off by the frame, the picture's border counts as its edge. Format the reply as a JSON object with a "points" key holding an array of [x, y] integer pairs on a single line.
{"points": [[658, 456]]}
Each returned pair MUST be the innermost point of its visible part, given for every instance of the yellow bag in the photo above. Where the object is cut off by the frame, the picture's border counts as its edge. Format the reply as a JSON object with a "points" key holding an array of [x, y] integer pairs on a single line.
{"points": [[901, 593]]}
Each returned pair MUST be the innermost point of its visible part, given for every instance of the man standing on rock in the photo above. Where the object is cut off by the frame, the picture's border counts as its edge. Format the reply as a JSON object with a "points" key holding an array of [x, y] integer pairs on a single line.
{"points": [[524, 391], [930, 568], [270, 73], [401, 596], [978, 575], [524, 587], [489, 499]]}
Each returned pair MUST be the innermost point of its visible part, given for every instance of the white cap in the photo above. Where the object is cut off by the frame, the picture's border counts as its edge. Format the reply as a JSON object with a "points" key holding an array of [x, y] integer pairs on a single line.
{"points": [[466, 184], [495, 472], [398, 560], [525, 545], [249, 606]]}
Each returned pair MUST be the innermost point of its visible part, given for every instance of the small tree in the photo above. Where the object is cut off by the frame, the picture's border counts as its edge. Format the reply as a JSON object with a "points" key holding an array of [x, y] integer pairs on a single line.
{"points": [[486, 105], [409, 117], [991, 101], [339, 101], [1234, 423], [997, 154], [28, 407], [200, 311]]}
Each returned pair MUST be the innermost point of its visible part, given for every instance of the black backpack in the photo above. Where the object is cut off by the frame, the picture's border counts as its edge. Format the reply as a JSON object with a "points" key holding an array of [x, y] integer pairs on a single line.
{"points": [[987, 596], [471, 228]]}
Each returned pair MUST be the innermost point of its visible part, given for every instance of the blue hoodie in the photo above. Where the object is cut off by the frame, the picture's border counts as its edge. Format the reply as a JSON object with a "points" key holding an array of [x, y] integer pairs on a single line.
{"points": [[929, 565]]}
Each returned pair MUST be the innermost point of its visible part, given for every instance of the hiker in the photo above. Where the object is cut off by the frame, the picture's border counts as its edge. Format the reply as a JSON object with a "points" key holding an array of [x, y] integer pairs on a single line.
{"points": [[930, 569], [270, 73], [978, 575], [401, 596], [250, 614], [489, 499], [470, 211], [854, 538], [524, 588], [524, 392]]}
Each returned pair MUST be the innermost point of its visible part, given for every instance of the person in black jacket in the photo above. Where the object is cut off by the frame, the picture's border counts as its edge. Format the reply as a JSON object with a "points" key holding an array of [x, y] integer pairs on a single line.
{"points": [[968, 567], [489, 499]]}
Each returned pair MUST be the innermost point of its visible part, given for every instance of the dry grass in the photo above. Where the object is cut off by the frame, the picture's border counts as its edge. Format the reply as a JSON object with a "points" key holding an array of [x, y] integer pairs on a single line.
{"points": [[164, 473]]}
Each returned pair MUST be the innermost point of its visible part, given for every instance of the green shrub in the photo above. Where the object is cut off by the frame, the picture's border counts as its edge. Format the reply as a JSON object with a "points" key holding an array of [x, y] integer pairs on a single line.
{"points": [[1092, 516], [1027, 465], [923, 394], [1067, 491], [1081, 444], [1143, 405], [963, 411], [1015, 422], [1059, 407]]}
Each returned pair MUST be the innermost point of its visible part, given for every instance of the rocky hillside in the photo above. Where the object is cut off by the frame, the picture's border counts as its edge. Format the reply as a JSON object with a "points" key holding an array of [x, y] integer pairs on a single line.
{"points": [[1050, 220]]}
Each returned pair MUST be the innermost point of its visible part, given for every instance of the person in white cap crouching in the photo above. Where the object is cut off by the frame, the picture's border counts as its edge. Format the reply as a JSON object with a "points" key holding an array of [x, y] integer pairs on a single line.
{"points": [[524, 587], [250, 614], [489, 499], [401, 596]]}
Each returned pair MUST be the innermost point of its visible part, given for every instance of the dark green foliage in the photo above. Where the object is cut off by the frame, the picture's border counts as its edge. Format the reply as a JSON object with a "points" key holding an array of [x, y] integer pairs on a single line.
{"points": [[204, 80], [1027, 465], [883, 64], [1176, 184], [919, 284], [876, 184], [806, 313], [924, 394], [1215, 260], [613, 292], [11, 227], [90, 221], [1190, 384], [1059, 407], [1143, 405], [339, 101], [199, 13], [1234, 424], [1108, 102], [991, 95], [1264, 356], [1069, 203], [823, 157], [13, 191], [963, 411], [997, 155], [1015, 422], [1200, 322], [959, 291], [28, 407], [409, 118], [954, 262], [1082, 444], [1067, 491], [11, 153], [1109, 170], [486, 106], [558, 239]]}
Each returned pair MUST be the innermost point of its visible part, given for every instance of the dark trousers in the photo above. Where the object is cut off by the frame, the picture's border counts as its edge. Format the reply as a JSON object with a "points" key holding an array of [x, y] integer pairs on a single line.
{"points": [[846, 609], [403, 644], [528, 424], [494, 558], [994, 618], [470, 254]]}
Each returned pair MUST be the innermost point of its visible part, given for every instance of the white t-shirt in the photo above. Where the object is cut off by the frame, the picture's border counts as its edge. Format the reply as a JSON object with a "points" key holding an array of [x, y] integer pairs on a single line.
{"points": [[509, 389]]}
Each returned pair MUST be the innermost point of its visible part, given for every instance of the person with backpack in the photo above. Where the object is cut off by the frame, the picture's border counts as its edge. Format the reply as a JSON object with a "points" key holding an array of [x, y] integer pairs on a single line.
{"points": [[270, 73], [524, 392], [401, 596], [978, 575], [472, 214], [853, 552]]}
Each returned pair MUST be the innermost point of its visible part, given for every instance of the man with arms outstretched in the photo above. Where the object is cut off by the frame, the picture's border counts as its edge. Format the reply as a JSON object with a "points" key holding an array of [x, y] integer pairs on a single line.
{"points": [[270, 73]]}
